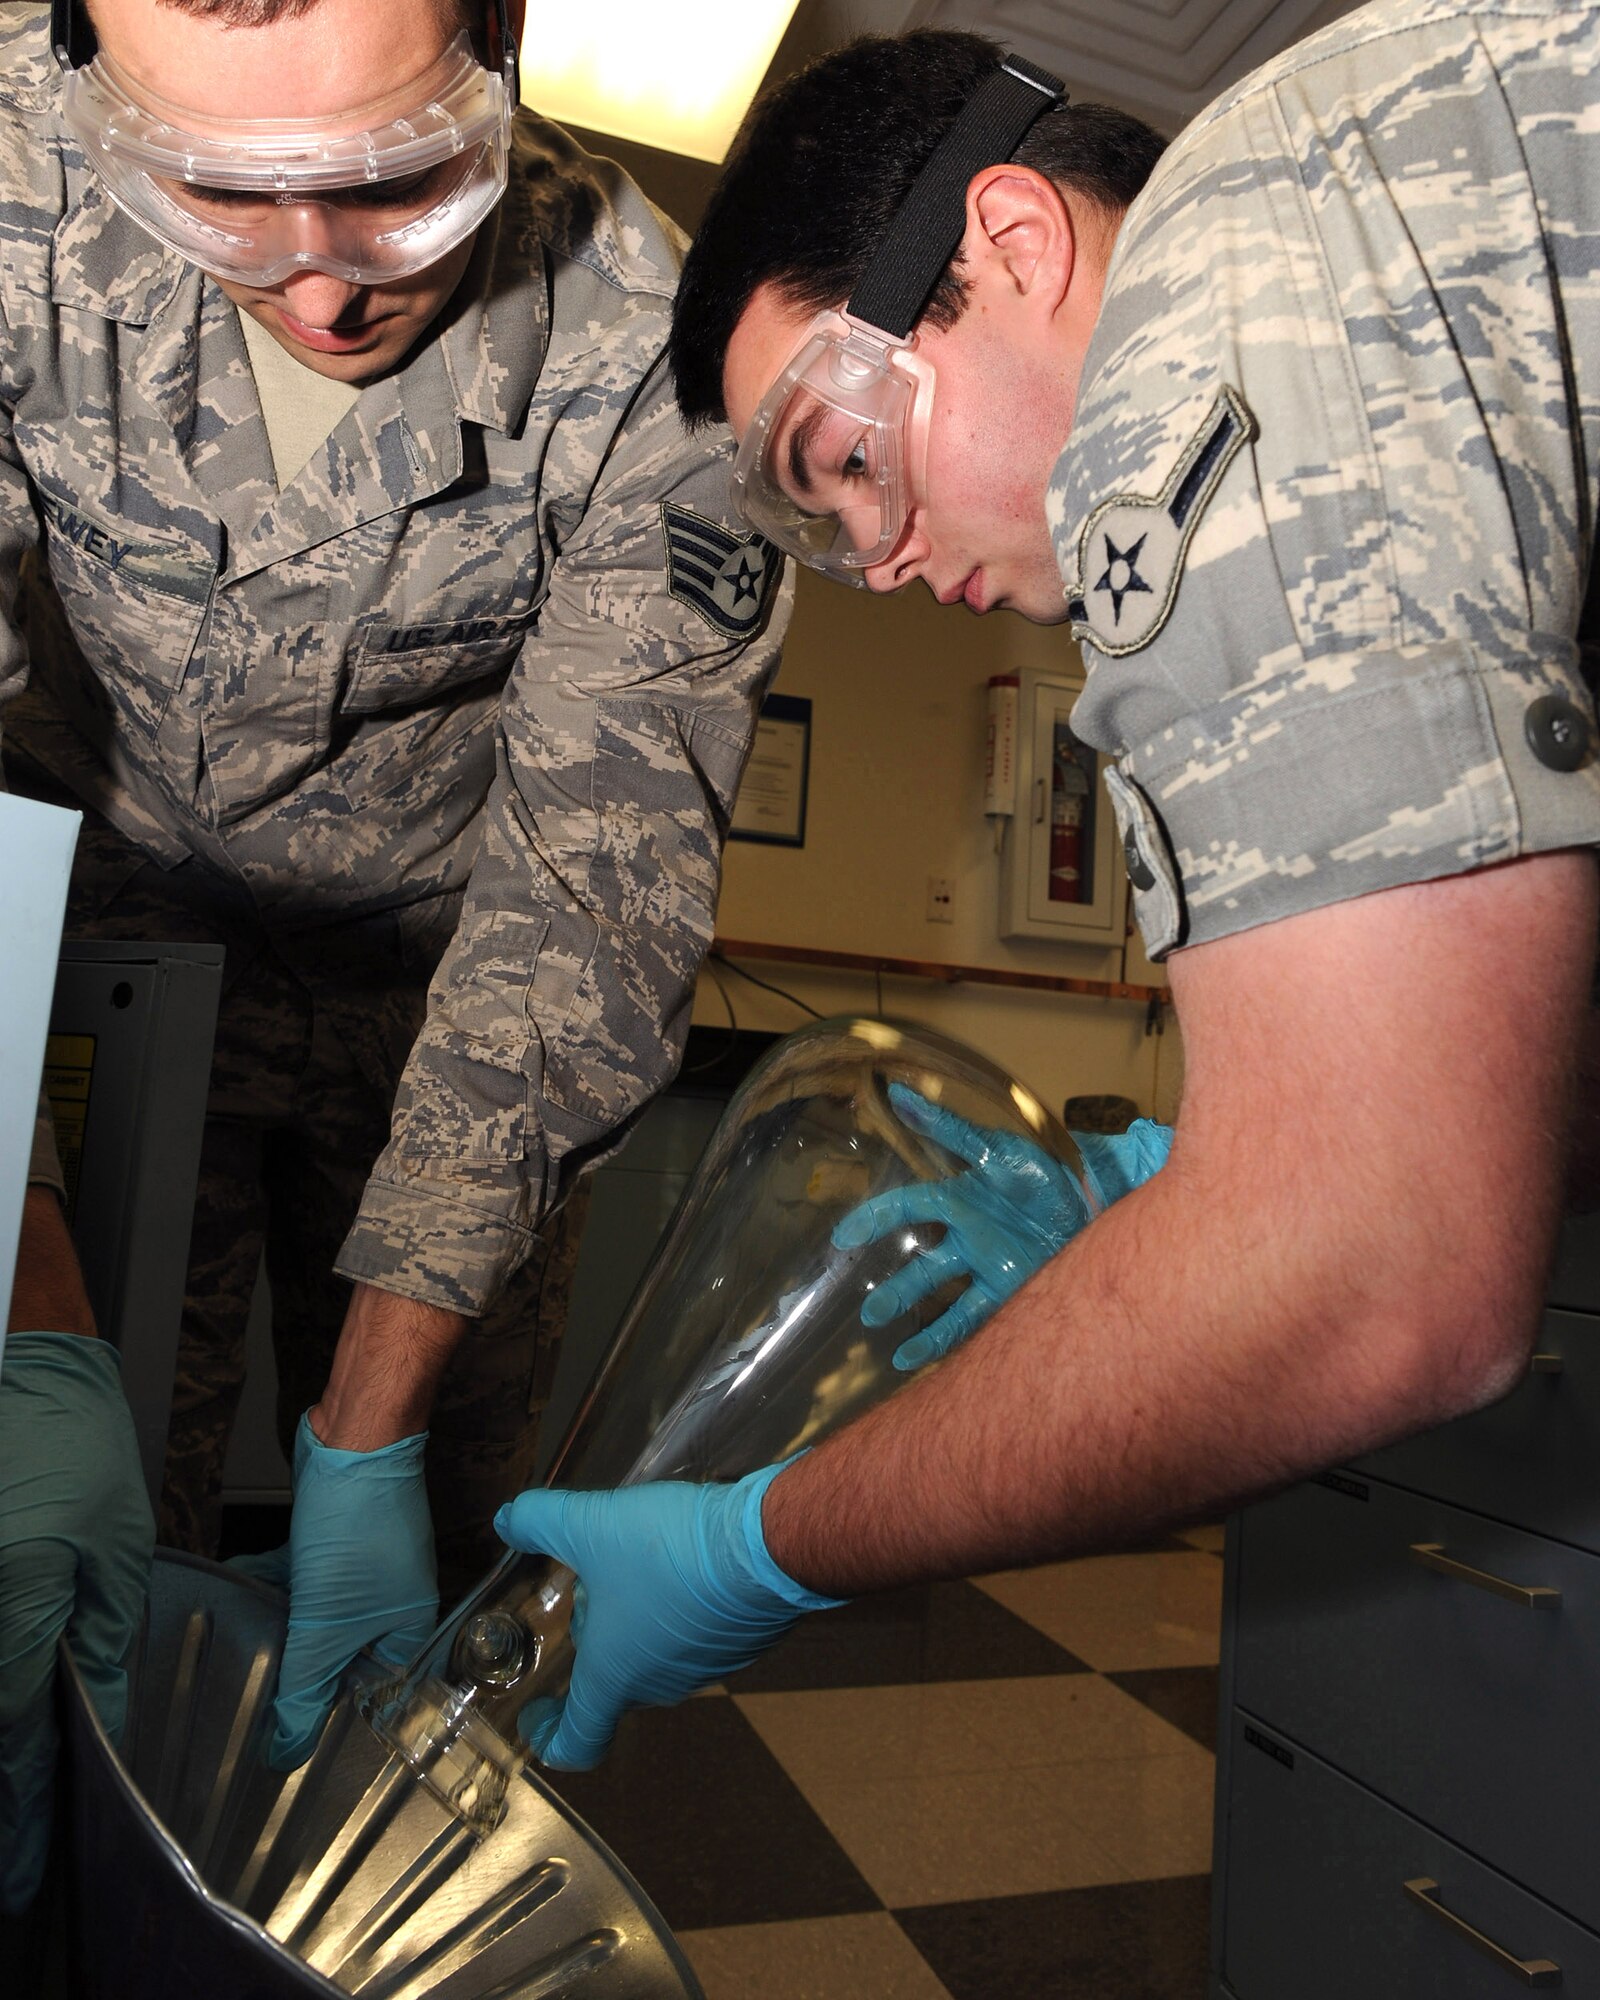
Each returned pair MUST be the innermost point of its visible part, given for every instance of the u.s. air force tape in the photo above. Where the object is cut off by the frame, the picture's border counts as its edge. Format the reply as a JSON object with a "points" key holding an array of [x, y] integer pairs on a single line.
{"points": [[727, 578], [1132, 549]]}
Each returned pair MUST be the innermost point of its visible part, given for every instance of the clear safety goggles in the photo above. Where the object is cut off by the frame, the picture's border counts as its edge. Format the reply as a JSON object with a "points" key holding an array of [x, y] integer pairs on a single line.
{"points": [[375, 193], [836, 448]]}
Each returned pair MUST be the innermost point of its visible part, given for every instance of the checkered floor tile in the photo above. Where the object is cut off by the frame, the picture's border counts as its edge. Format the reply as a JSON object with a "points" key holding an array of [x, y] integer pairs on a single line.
{"points": [[941, 1794]]}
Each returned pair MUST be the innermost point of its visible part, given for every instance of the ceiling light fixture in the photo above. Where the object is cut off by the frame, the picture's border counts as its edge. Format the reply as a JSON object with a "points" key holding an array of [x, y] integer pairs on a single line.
{"points": [[634, 69]]}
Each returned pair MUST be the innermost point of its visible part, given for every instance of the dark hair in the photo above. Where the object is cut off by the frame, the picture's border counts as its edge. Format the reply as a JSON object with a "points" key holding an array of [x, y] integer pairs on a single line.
{"points": [[826, 158]]}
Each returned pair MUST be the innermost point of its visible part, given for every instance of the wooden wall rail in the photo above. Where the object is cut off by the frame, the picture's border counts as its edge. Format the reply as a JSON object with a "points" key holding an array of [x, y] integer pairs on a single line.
{"points": [[947, 975]]}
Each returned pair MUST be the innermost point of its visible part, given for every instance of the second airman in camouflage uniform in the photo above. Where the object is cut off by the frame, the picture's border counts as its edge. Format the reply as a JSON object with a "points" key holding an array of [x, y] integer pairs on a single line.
{"points": [[467, 700]]}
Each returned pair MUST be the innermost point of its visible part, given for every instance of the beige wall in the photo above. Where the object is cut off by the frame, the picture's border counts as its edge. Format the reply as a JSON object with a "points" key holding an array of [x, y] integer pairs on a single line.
{"points": [[897, 753]]}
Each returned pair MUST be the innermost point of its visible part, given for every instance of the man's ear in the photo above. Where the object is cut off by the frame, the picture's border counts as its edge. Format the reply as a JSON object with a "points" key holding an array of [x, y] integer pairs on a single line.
{"points": [[1021, 233]]}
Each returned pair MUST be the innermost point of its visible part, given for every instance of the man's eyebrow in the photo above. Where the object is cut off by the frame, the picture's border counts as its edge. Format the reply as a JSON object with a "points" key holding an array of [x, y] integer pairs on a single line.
{"points": [[801, 440]]}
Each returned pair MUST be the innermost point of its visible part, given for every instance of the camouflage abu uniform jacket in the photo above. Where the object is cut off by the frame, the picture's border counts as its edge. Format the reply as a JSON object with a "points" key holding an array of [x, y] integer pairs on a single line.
{"points": [[1326, 512], [498, 637]]}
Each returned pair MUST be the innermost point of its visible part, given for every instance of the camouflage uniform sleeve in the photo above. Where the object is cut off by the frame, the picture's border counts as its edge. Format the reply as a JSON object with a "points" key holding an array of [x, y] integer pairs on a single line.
{"points": [[1325, 513], [563, 1001]]}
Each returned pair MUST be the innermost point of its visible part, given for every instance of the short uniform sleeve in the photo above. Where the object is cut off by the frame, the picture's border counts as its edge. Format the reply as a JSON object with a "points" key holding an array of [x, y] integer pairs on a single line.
{"points": [[1323, 520]]}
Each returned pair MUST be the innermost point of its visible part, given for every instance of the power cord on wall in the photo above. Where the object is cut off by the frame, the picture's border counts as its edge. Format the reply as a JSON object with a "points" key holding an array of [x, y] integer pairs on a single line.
{"points": [[714, 960], [728, 1047], [766, 985]]}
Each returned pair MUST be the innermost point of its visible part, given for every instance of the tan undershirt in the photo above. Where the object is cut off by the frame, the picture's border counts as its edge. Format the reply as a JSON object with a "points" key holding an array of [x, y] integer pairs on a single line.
{"points": [[301, 408]]}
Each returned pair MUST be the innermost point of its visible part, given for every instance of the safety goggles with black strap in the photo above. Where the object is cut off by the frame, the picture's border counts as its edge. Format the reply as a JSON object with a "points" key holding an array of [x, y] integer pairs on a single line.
{"points": [[835, 448]]}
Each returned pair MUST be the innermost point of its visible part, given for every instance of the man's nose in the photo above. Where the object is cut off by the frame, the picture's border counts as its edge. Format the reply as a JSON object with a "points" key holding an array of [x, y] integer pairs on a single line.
{"points": [[903, 564], [318, 300]]}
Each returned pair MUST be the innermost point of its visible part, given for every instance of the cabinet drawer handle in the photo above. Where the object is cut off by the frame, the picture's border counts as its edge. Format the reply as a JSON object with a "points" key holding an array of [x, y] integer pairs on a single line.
{"points": [[1532, 1596], [1531, 1971], [1547, 1364]]}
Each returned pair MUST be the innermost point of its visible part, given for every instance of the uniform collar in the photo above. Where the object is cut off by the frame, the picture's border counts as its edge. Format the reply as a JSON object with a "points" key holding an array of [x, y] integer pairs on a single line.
{"points": [[399, 446], [103, 263], [490, 348], [494, 342]]}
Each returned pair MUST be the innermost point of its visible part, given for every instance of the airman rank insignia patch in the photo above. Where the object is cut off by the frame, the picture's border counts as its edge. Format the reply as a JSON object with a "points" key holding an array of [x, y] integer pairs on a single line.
{"points": [[1132, 549], [727, 578]]}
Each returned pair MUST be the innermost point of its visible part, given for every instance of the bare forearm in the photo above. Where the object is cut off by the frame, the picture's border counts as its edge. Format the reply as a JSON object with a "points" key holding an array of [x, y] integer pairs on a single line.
{"points": [[386, 1369], [47, 1293], [1349, 1243], [1126, 1388]]}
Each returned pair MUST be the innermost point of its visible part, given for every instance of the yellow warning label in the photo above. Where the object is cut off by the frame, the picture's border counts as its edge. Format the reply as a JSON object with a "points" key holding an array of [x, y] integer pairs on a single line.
{"points": [[68, 1073]]}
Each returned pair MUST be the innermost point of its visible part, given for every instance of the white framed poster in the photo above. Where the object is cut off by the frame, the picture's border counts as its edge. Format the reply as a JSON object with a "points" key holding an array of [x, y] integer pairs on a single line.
{"points": [[771, 806]]}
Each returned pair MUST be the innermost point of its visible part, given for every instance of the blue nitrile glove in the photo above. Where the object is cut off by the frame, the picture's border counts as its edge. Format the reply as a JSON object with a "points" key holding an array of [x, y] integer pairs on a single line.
{"points": [[1122, 1161], [75, 1543], [1002, 1220], [676, 1590], [359, 1571]]}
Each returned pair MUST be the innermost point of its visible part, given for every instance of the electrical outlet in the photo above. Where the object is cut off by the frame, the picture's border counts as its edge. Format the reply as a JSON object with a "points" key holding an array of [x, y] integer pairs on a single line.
{"points": [[941, 900]]}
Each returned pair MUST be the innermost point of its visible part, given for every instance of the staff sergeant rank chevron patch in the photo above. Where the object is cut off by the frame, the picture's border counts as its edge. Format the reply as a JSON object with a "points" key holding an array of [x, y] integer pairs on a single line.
{"points": [[1131, 551], [727, 578]]}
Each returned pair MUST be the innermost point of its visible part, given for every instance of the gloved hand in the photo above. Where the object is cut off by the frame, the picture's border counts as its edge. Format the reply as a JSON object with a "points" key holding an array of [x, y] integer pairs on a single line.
{"points": [[676, 1589], [75, 1543], [359, 1570], [1010, 1214]]}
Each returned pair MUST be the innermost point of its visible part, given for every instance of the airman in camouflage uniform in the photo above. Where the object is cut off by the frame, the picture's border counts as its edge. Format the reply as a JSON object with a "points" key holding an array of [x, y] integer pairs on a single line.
{"points": [[1324, 519], [1329, 499], [469, 698]]}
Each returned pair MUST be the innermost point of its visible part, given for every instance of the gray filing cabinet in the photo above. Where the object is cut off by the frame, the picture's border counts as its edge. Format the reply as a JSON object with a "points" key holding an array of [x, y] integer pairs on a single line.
{"points": [[127, 1069], [1409, 1758]]}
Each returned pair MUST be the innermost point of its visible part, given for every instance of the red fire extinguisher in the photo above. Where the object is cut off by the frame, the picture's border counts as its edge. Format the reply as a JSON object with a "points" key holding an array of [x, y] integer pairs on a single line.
{"points": [[1069, 795]]}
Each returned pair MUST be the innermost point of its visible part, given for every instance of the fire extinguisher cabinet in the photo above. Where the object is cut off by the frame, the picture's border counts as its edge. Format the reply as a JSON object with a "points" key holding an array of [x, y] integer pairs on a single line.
{"points": [[1061, 869]]}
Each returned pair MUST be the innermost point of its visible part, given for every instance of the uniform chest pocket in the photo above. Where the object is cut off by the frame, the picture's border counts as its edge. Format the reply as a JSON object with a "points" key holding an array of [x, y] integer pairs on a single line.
{"points": [[135, 606], [407, 667]]}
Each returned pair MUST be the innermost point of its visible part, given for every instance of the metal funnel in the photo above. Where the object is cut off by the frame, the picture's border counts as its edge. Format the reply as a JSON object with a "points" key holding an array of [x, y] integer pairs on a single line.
{"points": [[201, 1872]]}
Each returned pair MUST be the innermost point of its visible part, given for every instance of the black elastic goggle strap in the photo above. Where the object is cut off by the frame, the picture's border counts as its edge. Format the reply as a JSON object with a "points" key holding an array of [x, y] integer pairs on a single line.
{"points": [[930, 222], [72, 37]]}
